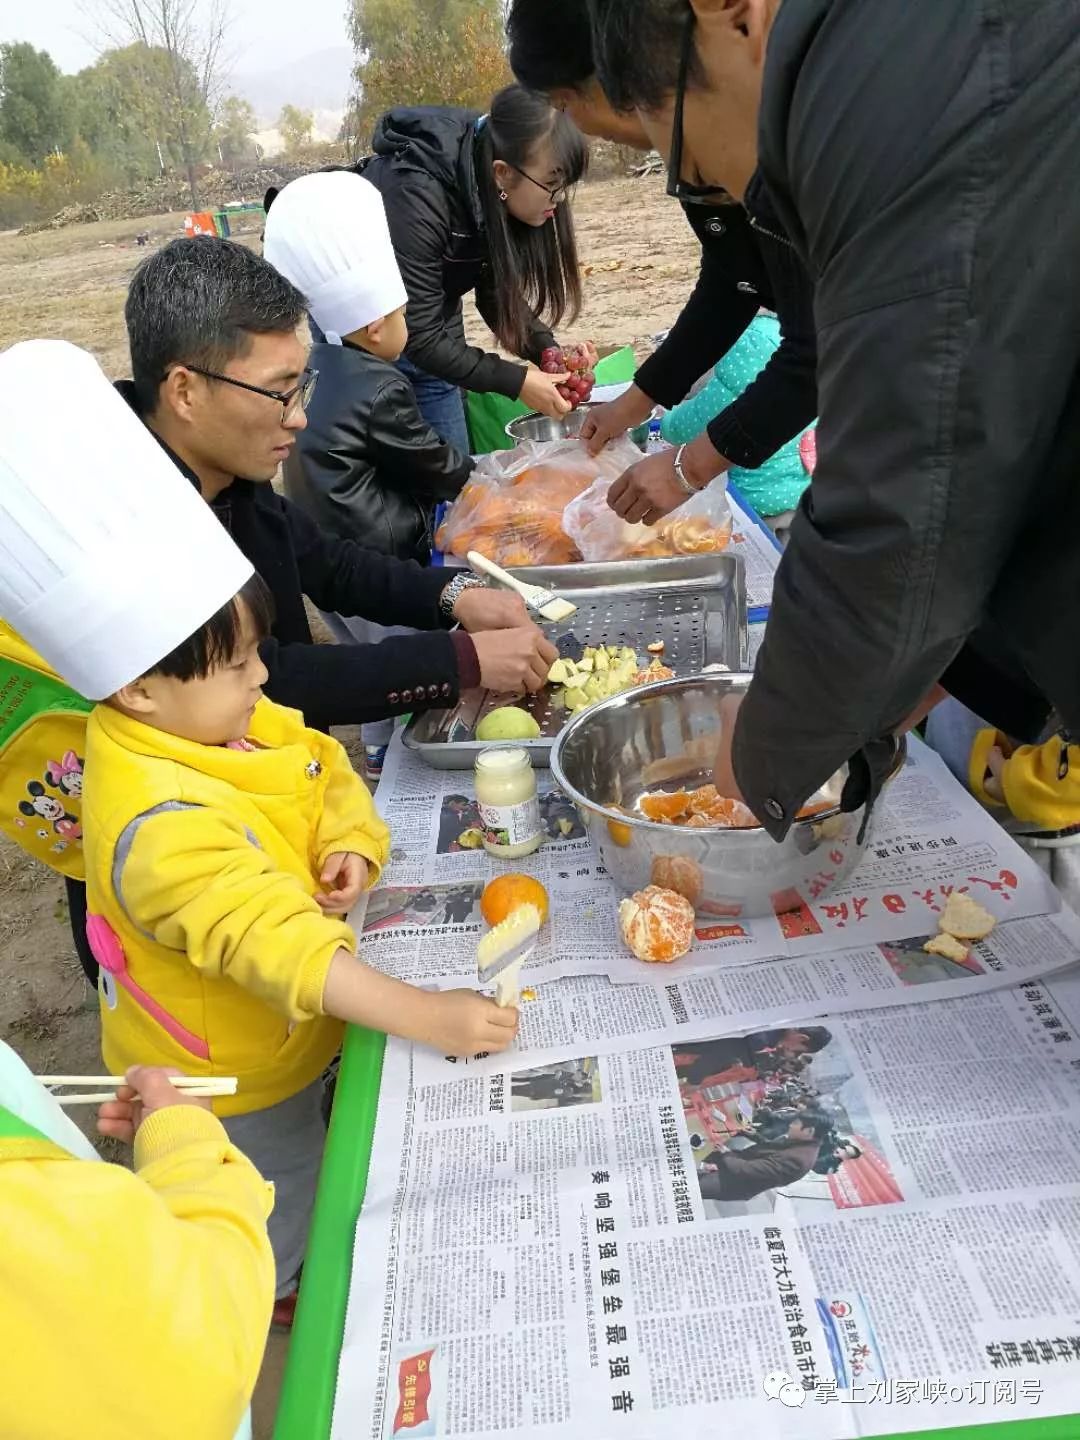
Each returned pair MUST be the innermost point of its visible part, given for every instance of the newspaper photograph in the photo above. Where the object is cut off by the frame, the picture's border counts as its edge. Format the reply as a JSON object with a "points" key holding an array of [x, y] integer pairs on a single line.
{"points": [[931, 838], [556, 1019], [866, 1225]]}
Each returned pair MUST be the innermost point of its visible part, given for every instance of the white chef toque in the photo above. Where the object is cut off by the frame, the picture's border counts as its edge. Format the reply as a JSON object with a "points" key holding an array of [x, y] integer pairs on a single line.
{"points": [[109, 556], [328, 234]]}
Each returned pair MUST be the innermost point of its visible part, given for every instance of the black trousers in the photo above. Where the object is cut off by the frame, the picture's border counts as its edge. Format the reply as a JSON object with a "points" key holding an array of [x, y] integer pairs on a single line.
{"points": [[76, 898]]}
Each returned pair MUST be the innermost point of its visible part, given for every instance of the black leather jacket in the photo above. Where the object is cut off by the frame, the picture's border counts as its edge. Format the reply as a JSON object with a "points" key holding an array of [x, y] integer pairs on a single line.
{"points": [[424, 168], [368, 467]]}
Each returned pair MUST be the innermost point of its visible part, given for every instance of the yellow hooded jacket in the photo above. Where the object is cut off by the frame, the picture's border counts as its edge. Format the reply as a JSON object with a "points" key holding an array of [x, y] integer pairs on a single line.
{"points": [[203, 862], [134, 1305], [1040, 783]]}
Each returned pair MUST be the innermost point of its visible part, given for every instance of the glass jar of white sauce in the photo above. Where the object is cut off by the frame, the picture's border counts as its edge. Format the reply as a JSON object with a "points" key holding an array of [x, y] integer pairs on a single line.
{"points": [[507, 801]]}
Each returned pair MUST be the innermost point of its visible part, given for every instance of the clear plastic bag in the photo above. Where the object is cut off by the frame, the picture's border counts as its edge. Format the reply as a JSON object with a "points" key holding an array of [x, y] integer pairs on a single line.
{"points": [[512, 508], [700, 527]]}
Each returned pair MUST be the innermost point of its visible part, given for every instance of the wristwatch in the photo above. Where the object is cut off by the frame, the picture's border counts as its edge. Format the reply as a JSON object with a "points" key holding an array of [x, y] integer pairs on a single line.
{"points": [[680, 474], [461, 582]]}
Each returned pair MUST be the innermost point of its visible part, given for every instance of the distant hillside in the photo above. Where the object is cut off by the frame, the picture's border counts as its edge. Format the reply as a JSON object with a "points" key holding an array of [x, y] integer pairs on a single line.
{"points": [[319, 82]]}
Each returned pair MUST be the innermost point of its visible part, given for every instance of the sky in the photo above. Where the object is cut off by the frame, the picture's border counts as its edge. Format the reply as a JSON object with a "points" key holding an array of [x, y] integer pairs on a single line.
{"points": [[264, 34]]}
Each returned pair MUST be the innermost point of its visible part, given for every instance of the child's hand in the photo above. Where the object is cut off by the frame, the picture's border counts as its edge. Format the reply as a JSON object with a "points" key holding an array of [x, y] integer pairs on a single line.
{"points": [[994, 783], [464, 1023], [148, 1089], [345, 876]]}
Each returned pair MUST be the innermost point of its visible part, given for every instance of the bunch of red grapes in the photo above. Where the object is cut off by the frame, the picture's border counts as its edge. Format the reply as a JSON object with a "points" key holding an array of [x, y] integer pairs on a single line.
{"points": [[576, 359]]}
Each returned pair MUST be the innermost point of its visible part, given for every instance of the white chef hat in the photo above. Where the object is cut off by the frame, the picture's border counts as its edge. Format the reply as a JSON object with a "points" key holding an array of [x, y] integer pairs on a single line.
{"points": [[109, 556], [328, 234]]}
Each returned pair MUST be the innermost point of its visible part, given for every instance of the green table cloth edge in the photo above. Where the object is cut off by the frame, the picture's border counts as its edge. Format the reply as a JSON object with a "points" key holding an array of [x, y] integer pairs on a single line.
{"points": [[306, 1406]]}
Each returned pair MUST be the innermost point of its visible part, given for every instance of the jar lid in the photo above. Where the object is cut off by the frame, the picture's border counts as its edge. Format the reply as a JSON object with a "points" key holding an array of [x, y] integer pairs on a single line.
{"points": [[502, 759]]}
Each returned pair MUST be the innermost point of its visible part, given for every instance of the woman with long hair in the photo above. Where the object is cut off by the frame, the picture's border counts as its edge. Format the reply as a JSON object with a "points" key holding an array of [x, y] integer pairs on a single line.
{"points": [[479, 203]]}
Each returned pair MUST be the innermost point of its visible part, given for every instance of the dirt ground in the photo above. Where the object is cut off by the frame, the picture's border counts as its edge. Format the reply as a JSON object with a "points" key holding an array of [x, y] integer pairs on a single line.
{"points": [[639, 257]]}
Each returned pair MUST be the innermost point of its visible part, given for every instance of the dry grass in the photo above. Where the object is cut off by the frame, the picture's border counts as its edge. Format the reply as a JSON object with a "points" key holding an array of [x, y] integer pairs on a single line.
{"points": [[71, 284]]}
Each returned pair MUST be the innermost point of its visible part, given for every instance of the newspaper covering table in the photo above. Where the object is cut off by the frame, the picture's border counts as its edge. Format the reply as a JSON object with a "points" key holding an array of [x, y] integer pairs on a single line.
{"points": [[930, 837], [754, 541], [632, 1244]]}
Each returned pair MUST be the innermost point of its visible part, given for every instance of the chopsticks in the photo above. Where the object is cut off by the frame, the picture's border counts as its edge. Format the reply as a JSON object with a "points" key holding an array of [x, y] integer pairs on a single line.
{"points": [[205, 1087]]}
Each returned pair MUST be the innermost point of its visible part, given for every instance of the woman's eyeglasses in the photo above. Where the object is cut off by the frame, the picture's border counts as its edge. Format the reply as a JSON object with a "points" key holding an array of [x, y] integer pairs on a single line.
{"points": [[298, 398], [557, 193], [677, 188]]}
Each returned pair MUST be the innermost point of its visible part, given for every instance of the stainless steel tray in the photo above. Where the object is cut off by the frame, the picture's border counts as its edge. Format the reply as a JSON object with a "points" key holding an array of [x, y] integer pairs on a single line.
{"points": [[695, 604]]}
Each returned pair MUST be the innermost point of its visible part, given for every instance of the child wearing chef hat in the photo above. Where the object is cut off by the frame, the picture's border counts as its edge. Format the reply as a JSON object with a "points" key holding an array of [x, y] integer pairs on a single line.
{"points": [[224, 840], [173, 1261], [368, 467]]}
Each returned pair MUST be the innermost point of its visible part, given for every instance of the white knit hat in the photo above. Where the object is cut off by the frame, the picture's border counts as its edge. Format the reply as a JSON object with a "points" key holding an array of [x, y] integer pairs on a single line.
{"points": [[328, 234], [109, 556]]}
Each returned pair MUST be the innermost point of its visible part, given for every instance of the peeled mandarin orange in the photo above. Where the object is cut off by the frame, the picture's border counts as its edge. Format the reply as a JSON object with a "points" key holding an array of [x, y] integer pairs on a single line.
{"points": [[679, 873], [506, 892], [657, 925], [664, 804]]}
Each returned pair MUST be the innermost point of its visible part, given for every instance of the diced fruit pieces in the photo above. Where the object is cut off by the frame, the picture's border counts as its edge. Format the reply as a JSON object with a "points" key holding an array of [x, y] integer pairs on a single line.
{"points": [[965, 918]]}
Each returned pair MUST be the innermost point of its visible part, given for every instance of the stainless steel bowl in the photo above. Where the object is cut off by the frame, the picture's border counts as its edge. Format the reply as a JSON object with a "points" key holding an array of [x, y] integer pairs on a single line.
{"points": [[664, 736], [535, 426]]}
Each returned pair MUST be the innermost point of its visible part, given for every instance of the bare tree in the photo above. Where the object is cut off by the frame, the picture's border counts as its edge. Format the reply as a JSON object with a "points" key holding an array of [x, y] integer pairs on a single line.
{"points": [[191, 36]]}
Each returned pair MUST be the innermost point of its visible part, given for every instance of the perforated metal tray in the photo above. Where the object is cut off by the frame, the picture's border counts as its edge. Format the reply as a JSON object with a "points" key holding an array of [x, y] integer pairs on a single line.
{"points": [[695, 604]]}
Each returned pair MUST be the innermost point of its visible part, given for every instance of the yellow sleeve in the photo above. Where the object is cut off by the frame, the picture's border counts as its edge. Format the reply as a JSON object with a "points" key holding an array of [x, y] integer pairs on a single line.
{"points": [[1036, 789], [194, 881], [138, 1304], [349, 820]]}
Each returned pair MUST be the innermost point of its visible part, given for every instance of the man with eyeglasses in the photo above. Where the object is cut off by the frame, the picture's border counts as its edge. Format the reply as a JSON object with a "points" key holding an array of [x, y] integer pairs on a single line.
{"points": [[219, 346]]}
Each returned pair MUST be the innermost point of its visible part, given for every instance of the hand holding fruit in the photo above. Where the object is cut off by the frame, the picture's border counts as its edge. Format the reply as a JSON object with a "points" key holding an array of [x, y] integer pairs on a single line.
{"points": [[514, 660], [542, 391], [575, 365]]}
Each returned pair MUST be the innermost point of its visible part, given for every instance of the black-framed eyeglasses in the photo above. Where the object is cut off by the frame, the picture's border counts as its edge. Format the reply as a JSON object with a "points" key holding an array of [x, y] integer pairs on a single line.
{"points": [[556, 194], [298, 398], [677, 188]]}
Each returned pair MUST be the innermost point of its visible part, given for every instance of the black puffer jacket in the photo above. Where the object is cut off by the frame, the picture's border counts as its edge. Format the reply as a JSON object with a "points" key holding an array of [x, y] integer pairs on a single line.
{"points": [[424, 167], [368, 467]]}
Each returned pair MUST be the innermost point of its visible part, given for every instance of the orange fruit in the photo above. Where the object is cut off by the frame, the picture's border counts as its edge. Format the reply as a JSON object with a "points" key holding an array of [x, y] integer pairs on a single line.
{"points": [[657, 925], [664, 804], [506, 892], [620, 833], [679, 873]]}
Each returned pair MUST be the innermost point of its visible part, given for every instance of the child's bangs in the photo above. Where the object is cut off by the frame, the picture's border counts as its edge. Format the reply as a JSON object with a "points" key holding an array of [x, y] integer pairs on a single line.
{"points": [[218, 642]]}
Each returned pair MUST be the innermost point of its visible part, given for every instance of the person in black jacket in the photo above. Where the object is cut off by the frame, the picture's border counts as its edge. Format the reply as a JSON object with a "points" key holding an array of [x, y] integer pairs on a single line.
{"points": [[745, 264], [914, 154], [479, 202], [219, 350], [367, 466]]}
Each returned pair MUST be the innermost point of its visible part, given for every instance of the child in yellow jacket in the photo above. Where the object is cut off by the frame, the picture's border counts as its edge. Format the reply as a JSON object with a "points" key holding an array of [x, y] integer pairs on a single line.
{"points": [[225, 843], [173, 1261]]}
